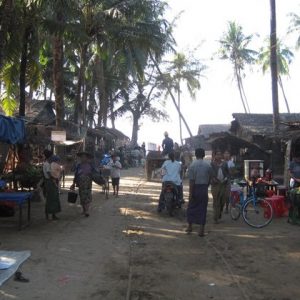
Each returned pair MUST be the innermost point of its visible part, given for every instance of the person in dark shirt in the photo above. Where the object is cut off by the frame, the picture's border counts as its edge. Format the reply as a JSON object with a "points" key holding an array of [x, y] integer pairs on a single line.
{"points": [[167, 144], [294, 170]]}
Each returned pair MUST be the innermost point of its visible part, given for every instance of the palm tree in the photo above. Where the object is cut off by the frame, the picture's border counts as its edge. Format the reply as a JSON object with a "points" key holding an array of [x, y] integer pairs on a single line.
{"points": [[6, 20], [284, 58], [234, 47], [188, 70], [21, 68], [58, 14], [274, 66], [140, 99], [295, 26]]}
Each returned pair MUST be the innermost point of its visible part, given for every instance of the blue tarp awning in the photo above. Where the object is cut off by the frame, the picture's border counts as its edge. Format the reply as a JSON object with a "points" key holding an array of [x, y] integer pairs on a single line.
{"points": [[12, 130]]}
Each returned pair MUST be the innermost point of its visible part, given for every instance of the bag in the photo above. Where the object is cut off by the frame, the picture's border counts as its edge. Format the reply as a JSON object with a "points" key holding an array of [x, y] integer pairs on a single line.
{"points": [[72, 197], [98, 178], [55, 170]]}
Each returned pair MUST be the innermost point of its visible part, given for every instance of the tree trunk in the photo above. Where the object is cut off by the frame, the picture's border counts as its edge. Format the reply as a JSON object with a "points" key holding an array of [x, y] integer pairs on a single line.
{"points": [[6, 10], [244, 95], [273, 64], [172, 96], [135, 129], [103, 102], [238, 80], [91, 108], [58, 80], [112, 116], [284, 95], [45, 92], [85, 93], [23, 68], [78, 105], [179, 107]]}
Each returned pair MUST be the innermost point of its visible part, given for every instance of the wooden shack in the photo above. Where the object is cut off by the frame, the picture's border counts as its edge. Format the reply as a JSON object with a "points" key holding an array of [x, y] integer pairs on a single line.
{"points": [[251, 136]]}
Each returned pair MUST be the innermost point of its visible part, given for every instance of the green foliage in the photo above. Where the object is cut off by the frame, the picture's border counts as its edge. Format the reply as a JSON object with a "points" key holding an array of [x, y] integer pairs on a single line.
{"points": [[284, 57], [121, 34], [234, 47], [8, 105], [294, 27]]}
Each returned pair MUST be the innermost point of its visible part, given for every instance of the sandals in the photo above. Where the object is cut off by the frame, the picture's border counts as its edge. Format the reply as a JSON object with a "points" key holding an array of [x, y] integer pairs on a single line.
{"points": [[19, 277]]}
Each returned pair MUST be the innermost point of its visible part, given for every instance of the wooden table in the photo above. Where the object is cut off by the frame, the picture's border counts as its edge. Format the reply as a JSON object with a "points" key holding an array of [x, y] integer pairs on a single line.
{"points": [[20, 198]]}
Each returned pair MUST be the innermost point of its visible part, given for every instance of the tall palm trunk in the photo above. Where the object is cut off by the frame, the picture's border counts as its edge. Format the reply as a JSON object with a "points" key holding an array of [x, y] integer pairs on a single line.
{"points": [[6, 10], [245, 97], [23, 68], [103, 103], [45, 92], [284, 95], [85, 93], [91, 108], [172, 97], [273, 63], [238, 80], [78, 103], [111, 108], [135, 129], [58, 80], [179, 106]]}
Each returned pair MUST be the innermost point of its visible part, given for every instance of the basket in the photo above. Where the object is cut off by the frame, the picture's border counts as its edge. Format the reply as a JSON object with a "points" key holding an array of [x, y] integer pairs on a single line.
{"points": [[105, 172], [98, 179], [72, 197]]}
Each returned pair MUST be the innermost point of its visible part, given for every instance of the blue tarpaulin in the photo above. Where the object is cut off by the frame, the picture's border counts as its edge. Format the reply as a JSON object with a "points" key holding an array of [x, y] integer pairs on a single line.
{"points": [[12, 130]]}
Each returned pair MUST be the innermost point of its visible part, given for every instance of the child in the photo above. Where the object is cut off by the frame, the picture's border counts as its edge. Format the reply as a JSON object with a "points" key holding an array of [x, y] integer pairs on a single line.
{"points": [[115, 167]]}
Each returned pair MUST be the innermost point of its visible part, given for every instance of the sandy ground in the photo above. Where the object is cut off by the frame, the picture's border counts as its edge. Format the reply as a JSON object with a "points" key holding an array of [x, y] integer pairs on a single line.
{"points": [[125, 250]]}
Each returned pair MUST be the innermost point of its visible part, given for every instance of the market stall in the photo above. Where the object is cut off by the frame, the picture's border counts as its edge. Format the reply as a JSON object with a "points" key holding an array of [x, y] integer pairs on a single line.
{"points": [[12, 132]]}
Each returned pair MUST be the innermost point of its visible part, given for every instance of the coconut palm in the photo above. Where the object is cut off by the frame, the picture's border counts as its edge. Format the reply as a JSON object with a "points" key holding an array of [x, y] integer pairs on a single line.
{"points": [[142, 98], [274, 66], [295, 27], [59, 16], [184, 69], [234, 47], [21, 68], [284, 59]]}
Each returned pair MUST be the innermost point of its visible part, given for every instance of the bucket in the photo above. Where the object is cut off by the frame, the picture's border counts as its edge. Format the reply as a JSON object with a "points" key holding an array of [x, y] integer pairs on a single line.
{"points": [[72, 197]]}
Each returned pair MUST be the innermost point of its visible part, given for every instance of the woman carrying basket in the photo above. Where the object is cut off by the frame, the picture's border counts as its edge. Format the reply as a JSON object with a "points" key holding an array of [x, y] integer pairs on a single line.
{"points": [[83, 179]]}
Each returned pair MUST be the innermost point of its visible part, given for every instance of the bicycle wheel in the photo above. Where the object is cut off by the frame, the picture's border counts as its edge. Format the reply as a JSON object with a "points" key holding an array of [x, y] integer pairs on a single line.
{"points": [[235, 207], [257, 213]]}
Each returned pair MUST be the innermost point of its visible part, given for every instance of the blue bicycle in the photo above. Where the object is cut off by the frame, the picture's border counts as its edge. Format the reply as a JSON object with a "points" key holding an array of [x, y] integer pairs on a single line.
{"points": [[257, 212]]}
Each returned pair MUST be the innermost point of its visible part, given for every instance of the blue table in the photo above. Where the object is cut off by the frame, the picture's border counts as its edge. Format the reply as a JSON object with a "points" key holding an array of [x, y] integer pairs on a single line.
{"points": [[20, 198]]}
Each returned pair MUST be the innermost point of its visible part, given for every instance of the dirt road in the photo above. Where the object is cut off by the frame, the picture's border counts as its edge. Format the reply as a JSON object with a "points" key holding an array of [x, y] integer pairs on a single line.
{"points": [[125, 250]]}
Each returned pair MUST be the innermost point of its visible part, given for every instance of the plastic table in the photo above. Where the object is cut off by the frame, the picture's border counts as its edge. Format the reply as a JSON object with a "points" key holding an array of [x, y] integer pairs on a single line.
{"points": [[20, 198]]}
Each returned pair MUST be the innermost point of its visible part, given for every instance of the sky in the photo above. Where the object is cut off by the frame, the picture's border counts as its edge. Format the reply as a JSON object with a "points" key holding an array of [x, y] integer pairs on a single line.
{"points": [[201, 25]]}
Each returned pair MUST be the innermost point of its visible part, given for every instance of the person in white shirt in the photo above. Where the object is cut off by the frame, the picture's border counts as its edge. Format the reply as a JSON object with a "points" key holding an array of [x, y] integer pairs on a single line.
{"points": [[171, 170], [115, 169]]}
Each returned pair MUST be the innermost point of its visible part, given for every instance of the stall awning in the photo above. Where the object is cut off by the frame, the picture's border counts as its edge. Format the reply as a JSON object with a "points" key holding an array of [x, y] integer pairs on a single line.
{"points": [[12, 130]]}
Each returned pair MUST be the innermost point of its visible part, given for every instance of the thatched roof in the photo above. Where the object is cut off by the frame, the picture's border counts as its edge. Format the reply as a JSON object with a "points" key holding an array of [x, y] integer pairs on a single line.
{"points": [[40, 121], [207, 129], [41, 112], [107, 133], [261, 124]]}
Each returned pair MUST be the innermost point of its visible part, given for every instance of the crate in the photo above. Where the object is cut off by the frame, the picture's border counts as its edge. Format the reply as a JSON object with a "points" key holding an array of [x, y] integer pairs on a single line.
{"points": [[278, 205]]}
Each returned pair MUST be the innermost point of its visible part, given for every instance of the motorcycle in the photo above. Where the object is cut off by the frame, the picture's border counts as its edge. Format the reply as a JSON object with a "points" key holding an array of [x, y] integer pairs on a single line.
{"points": [[170, 195]]}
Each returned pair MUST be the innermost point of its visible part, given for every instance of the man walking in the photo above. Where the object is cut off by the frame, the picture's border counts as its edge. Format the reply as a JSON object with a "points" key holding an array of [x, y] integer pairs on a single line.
{"points": [[219, 185], [200, 174]]}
